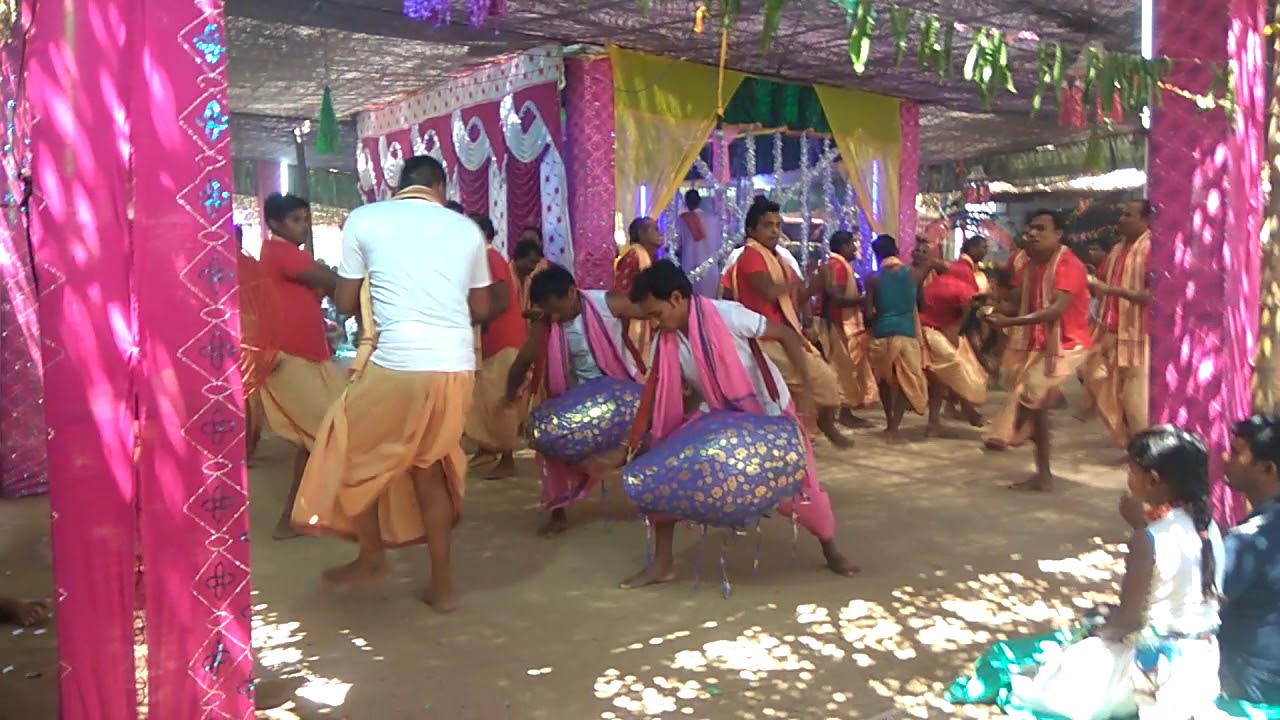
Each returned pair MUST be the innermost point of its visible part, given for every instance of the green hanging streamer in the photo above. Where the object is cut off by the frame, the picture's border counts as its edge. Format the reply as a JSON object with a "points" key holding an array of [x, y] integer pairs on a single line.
{"points": [[1094, 160], [327, 132]]}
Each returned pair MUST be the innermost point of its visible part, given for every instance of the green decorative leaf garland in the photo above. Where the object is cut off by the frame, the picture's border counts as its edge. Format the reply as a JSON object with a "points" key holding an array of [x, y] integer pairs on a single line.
{"points": [[327, 130], [864, 23], [1136, 80]]}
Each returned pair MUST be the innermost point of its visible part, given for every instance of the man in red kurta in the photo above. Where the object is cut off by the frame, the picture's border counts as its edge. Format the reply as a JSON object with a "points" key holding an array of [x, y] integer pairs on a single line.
{"points": [[768, 286], [494, 424], [1051, 335], [304, 381]]}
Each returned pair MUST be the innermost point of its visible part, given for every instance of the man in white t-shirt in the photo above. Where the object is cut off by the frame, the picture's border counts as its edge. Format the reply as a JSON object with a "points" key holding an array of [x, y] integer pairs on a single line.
{"points": [[388, 467], [664, 294]]}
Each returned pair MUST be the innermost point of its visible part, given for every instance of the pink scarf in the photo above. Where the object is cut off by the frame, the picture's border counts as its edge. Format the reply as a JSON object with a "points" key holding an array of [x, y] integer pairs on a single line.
{"points": [[603, 349], [724, 380], [565, 483]]}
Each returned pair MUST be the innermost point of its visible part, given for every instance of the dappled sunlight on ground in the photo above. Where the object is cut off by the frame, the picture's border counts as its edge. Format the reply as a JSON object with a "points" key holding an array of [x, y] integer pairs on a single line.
{"points": [[769, 667], [951, 562]]}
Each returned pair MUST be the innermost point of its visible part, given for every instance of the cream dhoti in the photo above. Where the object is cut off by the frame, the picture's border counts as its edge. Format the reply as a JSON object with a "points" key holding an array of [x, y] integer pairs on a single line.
{"points": [[898, 360], [297, 395], [385, 424], [493, 423]]}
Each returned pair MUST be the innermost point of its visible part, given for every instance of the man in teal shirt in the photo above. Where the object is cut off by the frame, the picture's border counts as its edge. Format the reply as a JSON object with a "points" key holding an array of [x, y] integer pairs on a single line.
{"points": [[1250, 633]]}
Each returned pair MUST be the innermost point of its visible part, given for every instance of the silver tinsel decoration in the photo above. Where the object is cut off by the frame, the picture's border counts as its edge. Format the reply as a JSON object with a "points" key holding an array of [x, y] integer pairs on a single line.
{"points": [[806, 212], [777, 163], [830, 213]]}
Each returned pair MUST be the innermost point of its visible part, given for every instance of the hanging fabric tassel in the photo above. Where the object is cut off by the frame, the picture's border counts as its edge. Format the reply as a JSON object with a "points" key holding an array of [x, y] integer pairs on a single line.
{"points": [[432, 11], [327, 130], [725, 588], [697, 559], [604, 504], [755, 559], [795, 538], [648, 545], [1071, 108]]}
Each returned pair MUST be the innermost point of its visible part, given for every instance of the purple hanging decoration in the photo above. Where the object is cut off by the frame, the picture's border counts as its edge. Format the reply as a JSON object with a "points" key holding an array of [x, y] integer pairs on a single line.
{"points": [[432, 11], [480, 11]]}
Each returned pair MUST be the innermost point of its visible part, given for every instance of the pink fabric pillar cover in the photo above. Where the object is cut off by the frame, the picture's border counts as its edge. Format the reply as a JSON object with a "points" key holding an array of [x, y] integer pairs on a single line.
{"points": [[192, 480], [141, 335], [908, 175], [23, 468], [80, 233], [590, 158], [1204, 187]]}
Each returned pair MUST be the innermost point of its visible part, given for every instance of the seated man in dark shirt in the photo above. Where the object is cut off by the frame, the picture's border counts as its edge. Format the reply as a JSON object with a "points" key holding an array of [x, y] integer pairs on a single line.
{"points": [[1250, 634]]}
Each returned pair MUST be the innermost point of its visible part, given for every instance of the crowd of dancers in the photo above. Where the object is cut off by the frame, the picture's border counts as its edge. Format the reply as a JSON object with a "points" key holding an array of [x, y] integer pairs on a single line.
{"points": [[460, 346]]}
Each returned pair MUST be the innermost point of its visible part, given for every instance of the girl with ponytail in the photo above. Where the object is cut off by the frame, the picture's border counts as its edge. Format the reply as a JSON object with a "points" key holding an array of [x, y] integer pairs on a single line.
{"points": [[1156, 654]]}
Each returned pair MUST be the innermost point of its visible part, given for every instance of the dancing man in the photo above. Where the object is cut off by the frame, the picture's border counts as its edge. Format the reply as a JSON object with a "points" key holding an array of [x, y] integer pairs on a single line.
{"points": [[304, 379], [527, 261], [953, 370], [768, 286], [897, 355], [715, 348], [1050, 335], [1116, 374], [494, 424], [842, 329], [577, 338], [388, 468]]}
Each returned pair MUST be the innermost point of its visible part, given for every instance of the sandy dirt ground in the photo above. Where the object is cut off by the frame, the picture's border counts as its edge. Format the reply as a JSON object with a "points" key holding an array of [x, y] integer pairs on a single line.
{"points": [[951, 560]]}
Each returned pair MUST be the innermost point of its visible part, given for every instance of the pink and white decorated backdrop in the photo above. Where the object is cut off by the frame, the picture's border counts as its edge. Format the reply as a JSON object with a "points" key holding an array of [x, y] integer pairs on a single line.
{"points": [[139, 316], [23, 467], [497, 131], [908, 175], [1203, 182], [588, 90]]}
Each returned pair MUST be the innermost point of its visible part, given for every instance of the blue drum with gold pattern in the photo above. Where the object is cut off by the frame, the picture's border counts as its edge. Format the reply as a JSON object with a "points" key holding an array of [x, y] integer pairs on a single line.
{"points": [[726, 469], [587, 420]]}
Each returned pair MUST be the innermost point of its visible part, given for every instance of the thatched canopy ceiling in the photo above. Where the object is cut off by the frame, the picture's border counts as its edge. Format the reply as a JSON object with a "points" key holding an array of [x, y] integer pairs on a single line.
{"points": [[284, 51]]}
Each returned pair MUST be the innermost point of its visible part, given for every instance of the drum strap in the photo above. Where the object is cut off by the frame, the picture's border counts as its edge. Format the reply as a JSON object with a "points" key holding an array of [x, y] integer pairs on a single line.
{"points": [[762, 363]]}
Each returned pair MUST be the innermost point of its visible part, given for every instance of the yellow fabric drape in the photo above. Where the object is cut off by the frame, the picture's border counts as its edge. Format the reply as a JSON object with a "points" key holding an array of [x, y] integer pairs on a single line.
{"points": [[664, 111], [868, 132]]}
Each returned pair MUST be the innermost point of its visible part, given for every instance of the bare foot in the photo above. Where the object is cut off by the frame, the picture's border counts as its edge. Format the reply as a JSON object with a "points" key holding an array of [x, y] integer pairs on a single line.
{"points": [[23, 613], [837, 562], [1035, 483], [555, 525], [995, 445], [284, 530], [645, 578], [481, 458], [506, 468], [442, 601], [834, 435], [356, 572], [974, 418], [939, 431], [851, 421]]}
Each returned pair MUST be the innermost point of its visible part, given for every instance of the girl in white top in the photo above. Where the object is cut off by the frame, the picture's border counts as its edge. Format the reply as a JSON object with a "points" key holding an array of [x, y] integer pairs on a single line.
{"points": [[1157, 655]]}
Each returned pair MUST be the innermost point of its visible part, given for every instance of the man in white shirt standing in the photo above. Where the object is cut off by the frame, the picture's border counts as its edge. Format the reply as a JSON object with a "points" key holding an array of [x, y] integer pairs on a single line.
{"points": [[388, 468]]}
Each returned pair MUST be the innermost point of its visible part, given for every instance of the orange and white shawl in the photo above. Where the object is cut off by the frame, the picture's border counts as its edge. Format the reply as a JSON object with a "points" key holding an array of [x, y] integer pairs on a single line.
{"points": [[778, 273], [1033, 300], [1126, 267]]}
